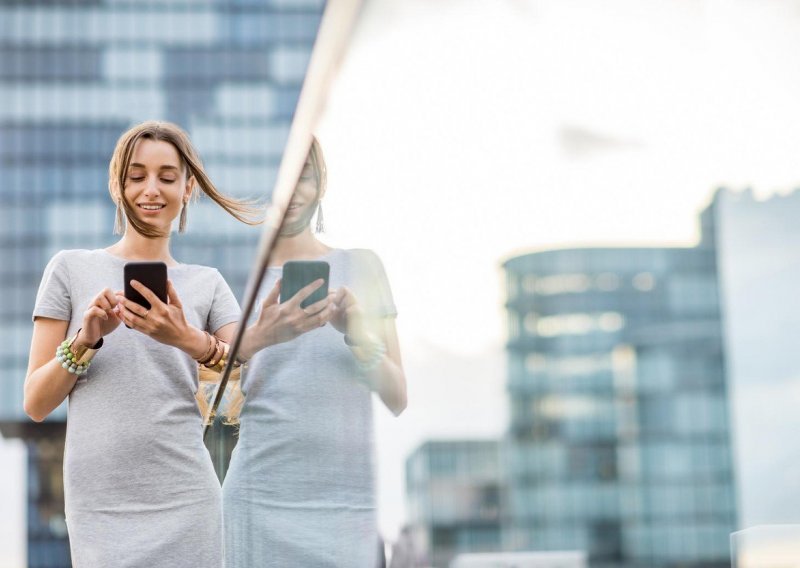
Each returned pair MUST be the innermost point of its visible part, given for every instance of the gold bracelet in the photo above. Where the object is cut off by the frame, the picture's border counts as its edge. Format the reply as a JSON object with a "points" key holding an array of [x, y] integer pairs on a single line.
{"points": [[83, 353], [206, 357]]}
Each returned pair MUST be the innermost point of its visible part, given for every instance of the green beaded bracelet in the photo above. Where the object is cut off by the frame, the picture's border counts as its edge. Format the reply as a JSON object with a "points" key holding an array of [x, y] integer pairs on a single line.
{"points": [[67, 359]]}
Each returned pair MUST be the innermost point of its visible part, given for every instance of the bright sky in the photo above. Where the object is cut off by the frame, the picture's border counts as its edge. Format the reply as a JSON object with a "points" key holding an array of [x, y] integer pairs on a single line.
{"points": [[462, 132]]}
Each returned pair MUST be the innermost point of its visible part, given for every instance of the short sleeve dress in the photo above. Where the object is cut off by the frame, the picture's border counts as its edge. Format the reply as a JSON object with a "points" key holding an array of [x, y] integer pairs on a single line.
{"points": [[139, 485], [300, 490]]}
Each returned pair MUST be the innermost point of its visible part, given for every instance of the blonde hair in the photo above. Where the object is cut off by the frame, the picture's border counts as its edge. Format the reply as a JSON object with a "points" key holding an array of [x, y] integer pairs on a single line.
{"points": [[245, 211], [318, 165]]}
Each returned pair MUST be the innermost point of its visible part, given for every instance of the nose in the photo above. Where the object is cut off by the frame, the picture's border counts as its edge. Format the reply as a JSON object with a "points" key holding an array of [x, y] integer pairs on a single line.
{"points": [[151, 187]]}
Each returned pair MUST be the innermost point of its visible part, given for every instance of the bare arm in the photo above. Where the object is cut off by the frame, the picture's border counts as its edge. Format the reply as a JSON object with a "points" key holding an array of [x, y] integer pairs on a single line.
{"points": [[47, 384], [388, 378]]}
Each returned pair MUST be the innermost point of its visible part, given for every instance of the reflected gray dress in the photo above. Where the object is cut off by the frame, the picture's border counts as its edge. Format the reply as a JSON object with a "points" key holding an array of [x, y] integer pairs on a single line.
{"points": [[139, 485], [300, 489]]}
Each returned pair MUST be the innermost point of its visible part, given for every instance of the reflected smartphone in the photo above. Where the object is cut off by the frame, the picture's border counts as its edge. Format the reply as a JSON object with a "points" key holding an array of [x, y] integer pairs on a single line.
{"points": [[151, 274], [298, 274]]}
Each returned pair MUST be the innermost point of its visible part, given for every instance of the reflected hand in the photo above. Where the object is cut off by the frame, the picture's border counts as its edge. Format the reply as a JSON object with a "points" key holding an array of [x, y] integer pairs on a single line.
{"points": [[100, 318], [348, 317], [278, 323]]}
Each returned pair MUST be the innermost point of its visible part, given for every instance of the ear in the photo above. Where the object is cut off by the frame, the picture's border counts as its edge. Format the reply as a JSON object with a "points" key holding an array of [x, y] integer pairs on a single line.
{"points": [[187, 193]]}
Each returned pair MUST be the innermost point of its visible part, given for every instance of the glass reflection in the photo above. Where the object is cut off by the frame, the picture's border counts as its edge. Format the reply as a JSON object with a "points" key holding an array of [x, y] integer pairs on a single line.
{"points": [[300, 489]]}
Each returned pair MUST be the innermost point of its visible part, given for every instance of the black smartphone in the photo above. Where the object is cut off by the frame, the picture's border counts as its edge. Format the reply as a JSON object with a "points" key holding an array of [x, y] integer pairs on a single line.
{"points": [[298, 274], [151, 274]]}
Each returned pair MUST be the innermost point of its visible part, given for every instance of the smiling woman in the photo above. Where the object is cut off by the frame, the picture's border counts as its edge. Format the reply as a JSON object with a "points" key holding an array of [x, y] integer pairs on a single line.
{"points": [[140, 488]]}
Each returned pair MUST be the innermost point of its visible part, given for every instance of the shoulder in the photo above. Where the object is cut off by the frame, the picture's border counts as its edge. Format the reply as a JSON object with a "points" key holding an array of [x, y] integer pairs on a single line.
{"points": [[64, 259], [202, 275], [200, 270], [364, 257]]}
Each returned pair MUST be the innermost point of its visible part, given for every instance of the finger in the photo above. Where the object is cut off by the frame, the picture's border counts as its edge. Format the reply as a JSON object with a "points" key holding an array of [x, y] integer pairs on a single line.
{"points": [[319, 319], [316, 307], [96, 312], [110, 297], [305, 292], [103, 303], [274, 294], [128, 318], [133, 308], [172, 295], [148, 294], [343, 296]]}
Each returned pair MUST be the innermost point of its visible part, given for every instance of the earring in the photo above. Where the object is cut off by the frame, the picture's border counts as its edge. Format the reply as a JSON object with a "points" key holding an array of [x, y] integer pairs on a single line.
{"points": [[320, 228], [119, 221], [182, 222]]}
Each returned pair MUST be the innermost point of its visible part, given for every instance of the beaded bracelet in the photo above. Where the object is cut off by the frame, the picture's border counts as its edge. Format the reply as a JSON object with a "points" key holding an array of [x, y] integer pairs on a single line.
{"points": [[78, 359], [375, 348]]}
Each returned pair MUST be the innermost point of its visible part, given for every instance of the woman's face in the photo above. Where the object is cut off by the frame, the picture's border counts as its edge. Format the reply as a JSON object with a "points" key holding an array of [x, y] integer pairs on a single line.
{"points": [[155, 185], [304, 197]]}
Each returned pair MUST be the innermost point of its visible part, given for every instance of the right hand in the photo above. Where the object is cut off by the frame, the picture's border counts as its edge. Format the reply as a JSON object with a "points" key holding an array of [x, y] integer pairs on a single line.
{"points": [[100, 318], [278, 323]]}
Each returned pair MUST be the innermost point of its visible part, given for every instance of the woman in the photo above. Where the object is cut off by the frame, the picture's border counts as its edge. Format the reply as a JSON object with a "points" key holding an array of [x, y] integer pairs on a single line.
{"points": [[300, 487], [139, 485]]}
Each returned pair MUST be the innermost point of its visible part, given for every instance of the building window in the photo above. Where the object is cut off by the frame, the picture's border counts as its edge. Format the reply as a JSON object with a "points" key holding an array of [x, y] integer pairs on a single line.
{"points": [[575, 324]]}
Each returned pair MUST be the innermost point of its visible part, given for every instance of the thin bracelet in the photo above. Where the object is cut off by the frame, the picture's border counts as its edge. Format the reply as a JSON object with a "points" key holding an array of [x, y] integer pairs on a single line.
{"points": [[206, 357]]}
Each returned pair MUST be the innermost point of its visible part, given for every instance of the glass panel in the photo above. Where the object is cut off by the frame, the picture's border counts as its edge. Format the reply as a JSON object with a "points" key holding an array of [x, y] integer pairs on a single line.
{"points": [[597, 339]]}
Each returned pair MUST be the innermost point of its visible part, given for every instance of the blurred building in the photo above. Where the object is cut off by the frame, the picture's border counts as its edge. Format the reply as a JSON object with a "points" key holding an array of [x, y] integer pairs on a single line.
{"points": [[619, 441], [75, 74], [759, 258], [454, 490]]}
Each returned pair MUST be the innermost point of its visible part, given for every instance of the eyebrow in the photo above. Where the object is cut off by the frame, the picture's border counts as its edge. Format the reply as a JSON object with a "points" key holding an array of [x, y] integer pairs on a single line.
{"points": [[164, 167]]}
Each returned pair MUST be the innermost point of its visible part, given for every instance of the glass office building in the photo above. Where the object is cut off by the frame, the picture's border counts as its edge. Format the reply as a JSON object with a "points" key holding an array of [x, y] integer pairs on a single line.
{"points": [[619, 439], [454, 490], [75, 74]]}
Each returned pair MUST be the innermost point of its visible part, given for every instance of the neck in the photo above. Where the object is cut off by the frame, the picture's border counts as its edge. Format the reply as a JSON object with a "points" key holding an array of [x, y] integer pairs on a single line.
{"points": [[134, 246], [303, 246]]}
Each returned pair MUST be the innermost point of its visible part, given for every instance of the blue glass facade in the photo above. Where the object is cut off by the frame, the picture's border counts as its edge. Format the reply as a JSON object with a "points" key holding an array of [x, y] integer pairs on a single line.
{"points": [[619, 441], [455, 491], [76, 74]]}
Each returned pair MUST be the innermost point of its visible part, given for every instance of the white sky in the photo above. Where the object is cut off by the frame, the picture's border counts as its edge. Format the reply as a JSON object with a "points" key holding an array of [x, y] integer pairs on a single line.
{"points": [[459, 133]]}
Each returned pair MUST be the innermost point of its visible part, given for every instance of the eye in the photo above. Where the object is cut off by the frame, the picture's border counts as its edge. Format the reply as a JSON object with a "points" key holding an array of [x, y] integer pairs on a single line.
{"points": [[167, 180], [135, 178]]}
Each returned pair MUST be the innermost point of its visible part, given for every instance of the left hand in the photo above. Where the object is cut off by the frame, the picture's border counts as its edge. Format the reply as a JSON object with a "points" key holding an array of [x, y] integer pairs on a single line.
{"points": [[164, 322], [348, 317]]}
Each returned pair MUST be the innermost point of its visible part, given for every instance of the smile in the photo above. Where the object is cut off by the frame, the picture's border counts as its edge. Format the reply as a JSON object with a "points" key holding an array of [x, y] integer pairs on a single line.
{"points": [[151, 206]]}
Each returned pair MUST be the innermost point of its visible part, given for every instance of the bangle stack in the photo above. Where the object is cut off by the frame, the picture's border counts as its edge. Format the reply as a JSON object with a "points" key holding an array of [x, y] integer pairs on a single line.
{"points": [[76, 358], [369, 352], [216, 356]]}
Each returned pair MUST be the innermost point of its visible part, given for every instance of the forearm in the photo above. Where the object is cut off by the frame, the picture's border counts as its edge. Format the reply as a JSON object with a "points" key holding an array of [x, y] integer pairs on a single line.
{"points": [[193, 342], [388, 381], [46, 388], [254, 340]]}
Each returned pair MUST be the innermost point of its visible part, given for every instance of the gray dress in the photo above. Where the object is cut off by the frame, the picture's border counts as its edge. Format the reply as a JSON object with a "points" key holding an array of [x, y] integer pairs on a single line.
{"points": [[139, 484], [300, 489]]}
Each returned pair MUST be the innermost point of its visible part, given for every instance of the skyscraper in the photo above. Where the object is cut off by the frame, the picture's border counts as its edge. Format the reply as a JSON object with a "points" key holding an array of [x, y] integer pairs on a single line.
{"points": [[759, 251], [454, 490], [619, 442], [75, 75]]}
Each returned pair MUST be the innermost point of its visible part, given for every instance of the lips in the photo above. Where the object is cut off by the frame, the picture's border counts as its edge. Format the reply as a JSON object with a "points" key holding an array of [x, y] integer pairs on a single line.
{"points": [[151, 206]]}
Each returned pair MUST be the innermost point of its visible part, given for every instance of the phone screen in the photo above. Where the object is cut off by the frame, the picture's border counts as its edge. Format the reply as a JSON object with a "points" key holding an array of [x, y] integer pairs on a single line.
{"points": [[151, 274], [298, 274]]}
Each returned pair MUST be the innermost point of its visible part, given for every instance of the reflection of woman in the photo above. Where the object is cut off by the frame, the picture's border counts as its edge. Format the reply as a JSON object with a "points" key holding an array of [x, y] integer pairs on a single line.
{"points": [[139, 485], [300, 487]]}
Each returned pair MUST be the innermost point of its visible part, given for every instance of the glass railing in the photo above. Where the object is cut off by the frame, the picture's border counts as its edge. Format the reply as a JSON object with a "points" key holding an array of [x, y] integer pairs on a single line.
{"points": [[597, 343]]}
